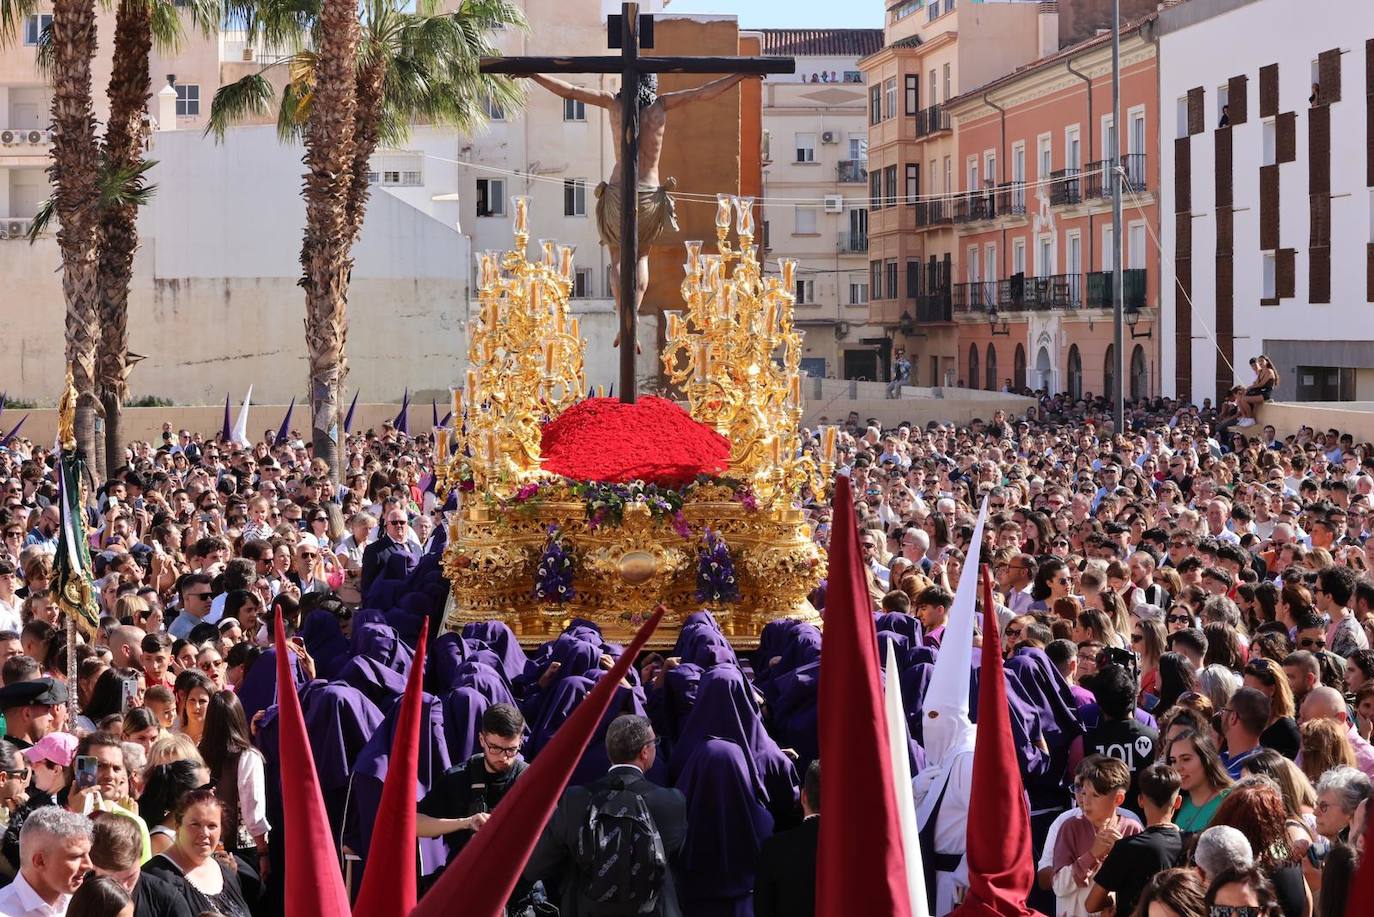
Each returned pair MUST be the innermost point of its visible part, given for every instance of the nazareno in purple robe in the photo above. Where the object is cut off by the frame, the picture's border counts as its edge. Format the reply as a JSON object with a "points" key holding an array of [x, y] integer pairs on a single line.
{"points": [[498, 637], [727, 822], [382, 643], [463, 709], [369, 775], [325, 643], [379, 683]]}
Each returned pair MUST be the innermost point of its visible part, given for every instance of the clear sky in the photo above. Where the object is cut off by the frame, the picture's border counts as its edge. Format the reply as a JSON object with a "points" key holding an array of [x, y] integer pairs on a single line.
{"points": [[791, 14]]}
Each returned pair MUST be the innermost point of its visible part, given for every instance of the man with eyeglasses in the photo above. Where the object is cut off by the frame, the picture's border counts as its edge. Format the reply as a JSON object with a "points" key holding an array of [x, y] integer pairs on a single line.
{"points": [[391, 541], [304, 572], [463, 798], [194, 591]]}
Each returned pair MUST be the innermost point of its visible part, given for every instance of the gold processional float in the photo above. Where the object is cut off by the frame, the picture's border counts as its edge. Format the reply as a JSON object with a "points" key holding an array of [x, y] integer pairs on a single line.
{"points": [[535, 549]]}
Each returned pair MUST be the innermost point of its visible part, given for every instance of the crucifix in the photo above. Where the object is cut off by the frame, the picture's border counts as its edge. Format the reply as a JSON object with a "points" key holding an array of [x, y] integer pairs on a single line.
{"points": [[634, 206]]}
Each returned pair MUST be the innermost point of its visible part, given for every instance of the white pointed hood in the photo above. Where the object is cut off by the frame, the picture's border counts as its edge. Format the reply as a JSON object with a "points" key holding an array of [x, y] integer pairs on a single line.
{"points": [[241, 424]]}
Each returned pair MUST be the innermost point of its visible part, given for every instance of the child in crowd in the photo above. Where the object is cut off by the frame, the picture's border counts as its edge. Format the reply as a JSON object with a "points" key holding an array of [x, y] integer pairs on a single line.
{"points": [[1084, 841]]}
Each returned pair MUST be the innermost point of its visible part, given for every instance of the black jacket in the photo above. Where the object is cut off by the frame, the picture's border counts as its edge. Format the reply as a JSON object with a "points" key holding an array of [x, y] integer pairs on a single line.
{"points": [[785, 880], [553, 862]]}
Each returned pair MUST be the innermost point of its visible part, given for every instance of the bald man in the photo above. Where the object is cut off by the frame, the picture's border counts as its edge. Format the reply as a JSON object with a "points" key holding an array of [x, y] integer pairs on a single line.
{"points": [[1325, 703], [126, 647]]}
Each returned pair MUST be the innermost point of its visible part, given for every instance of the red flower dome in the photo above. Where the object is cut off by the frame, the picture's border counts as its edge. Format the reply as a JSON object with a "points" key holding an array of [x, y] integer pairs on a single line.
{"points": [[653, 440]]}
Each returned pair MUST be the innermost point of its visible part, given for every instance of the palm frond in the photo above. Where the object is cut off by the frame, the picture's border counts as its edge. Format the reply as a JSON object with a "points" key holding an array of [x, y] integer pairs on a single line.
{"points": [[125, 185], [12, 16], [43, 58], [248, 97], [293, 112], [205, 16], [41, 219], [164, 24]]}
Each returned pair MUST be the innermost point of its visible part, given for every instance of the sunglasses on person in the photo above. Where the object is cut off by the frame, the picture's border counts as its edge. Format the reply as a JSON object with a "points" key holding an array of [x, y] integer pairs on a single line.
{"points": [[1309, 643], [1178, 619], [211, 665]]}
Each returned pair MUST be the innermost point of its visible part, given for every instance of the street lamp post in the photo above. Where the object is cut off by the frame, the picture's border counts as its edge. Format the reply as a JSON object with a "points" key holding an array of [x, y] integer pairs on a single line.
{"points": [[1118, 282]]}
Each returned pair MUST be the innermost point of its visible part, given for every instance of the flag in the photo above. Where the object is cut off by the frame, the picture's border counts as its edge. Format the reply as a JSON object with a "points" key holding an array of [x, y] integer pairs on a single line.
{"points": [[402, 422], [11, 434], [285, 429], [227, 433], [998, 849], [901, 785], [479, 882], [72, 565], [348, 418], [240, 435], [389, 888], [856, 872], [314, 885]]}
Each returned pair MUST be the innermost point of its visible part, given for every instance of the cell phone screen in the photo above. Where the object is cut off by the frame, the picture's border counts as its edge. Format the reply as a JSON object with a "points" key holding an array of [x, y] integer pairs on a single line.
{"points": [[85, 771]]}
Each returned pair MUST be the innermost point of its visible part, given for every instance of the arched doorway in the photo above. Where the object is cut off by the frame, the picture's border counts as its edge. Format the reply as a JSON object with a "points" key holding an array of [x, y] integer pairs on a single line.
{"points": [[1075, 372], [1044, 371], [1140, 374], [1109, 374], [993, 383], [973, 366], [1018, 376]]}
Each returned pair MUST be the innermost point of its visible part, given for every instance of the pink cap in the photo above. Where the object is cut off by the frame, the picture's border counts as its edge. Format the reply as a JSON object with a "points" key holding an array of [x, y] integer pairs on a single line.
{"points": [[57, 747]]}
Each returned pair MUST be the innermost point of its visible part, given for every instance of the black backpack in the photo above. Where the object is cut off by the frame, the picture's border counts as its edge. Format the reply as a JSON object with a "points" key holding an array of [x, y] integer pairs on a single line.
{"points": [[620, 855]]}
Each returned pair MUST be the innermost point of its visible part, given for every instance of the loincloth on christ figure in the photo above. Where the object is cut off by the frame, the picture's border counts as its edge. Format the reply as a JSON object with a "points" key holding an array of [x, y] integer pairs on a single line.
{"points": [[657, 214]]}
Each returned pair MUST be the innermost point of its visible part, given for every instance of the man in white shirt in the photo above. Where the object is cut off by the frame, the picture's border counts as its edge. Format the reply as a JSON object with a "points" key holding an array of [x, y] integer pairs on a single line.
{"points": [[55, 855]]}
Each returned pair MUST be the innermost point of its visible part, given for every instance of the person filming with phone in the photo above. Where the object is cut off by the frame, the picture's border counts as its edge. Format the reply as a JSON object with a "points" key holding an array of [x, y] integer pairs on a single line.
{"points": [[101, 782]]}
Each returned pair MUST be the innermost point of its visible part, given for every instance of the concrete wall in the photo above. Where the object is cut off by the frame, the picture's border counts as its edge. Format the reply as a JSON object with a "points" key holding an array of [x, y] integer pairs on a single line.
{"points": [[1353, 417]]}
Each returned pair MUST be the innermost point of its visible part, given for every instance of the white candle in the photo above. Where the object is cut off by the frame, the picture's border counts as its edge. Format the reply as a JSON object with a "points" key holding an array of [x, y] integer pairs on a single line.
{"points": [[770, 318], [828, 444], [441, 446], [693, 256], [601, 391], [521, 205], [550, 248], [472, 388], [744, 211], [794, 391], [789, 274], [455, 397], [565, 261], [548, 357], [723, 207]]}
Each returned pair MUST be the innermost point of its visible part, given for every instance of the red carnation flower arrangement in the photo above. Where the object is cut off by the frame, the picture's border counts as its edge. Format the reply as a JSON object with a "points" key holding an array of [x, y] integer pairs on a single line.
{"points": [[653, 440]]}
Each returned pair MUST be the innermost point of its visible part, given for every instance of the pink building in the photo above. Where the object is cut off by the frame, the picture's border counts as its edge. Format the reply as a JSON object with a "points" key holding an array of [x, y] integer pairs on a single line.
{"points": [[1032, 285]]}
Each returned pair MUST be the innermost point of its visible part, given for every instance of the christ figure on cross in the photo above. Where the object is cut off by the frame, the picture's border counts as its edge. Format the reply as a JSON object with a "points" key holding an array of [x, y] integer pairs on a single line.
{"points": [[655, 204]]}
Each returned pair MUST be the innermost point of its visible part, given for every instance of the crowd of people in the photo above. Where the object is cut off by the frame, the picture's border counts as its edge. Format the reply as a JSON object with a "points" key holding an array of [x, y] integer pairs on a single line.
{"points": [[1186, 612]]}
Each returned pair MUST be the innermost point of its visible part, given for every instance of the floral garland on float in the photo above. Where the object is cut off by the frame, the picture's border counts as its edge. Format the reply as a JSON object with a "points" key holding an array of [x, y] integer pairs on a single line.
{"points": [[573, 506]]}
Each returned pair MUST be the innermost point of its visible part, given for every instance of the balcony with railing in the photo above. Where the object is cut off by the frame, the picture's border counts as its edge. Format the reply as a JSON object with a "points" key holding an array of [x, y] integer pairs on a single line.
{"points": [[1066, 186], [851, 242], [1011, 199], [932, 120], [939, 212], [1133, 289], [975, 206], [1097, 176], [934, 305], [852, 170]]}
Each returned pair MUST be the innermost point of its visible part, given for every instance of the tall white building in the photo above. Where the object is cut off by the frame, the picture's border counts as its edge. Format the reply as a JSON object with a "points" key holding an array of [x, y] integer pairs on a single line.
{"points": [[1267, 196], [815, 183]]}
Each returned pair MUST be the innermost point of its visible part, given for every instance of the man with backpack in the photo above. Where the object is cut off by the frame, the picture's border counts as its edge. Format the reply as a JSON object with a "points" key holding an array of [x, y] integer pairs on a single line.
{"points": [[610, 846]]}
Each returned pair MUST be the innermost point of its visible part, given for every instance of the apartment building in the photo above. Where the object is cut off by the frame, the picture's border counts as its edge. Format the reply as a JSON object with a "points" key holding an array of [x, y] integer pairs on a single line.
{"points": [[1268, 183], [1032, 294], [815, 178]]}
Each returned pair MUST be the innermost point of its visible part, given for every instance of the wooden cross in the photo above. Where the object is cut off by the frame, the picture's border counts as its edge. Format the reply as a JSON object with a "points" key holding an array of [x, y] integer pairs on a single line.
{"points": [[630, 65]]}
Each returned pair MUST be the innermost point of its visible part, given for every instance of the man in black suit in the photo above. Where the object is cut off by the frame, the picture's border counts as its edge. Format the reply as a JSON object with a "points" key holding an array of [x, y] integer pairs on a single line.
{"points": [[631, 746], [785, 880], [392, 540]]}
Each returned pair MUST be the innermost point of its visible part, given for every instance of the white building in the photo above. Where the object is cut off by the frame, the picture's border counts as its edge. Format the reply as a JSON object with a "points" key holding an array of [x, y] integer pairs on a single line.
{"points": [[1269, 219], [815, 183]]}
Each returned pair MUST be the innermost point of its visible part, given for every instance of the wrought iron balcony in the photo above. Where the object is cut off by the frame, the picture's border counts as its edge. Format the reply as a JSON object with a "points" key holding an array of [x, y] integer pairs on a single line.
{"points": [[852, 170], [1100, 289], [852, 242], [934, 213], [1066, 186], [972, 206], [931, 120], [1097, 176], [979, 296], [1011, 199]]}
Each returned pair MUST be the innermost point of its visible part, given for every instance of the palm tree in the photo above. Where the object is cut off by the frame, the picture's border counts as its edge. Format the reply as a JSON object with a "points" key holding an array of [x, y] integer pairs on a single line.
{"points": [[363, 73]]}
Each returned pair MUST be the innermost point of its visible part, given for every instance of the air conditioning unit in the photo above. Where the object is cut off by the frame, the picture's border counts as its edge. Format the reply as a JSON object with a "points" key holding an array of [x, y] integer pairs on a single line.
{"points": [[830, 137], [3, 234], [16, 229], [36, 137], [7, 138], [834, 203]]}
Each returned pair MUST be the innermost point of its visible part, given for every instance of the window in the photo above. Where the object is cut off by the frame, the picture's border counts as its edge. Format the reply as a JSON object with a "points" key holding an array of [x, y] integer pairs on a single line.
{"points": [[858, 148], [494, 110], [396, 168], [573, 110], [1018, 161], [1135, 132], [972, 166], [1134, 259], [890, 270], [949, 83], [913, 278], [491, 197], [1108, 249], [1108, 135], [890, 180], [853, 76], [1073, 253], [1223, 99], [973, 366], [949, 174], [933, 91], [890, 98], [188, 100], [858, 293], [990, 168], [1044, 256], [806, 292], [35, 26], [875, 190], [875, 278], [913, 183], [971, 264], [805, 224], [1181, 114], [912, 91], [574, 197], [1046, 157], [933, 11], [395, 178], [1018, 256], [1071, 148], [1271, 142], [1271, 276], [806, 148], [875, 99], [582, 283]]}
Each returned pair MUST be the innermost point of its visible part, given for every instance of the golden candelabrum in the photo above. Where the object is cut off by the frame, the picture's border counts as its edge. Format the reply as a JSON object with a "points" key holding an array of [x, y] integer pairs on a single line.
{"points": [[736, 353], [525, 365]]}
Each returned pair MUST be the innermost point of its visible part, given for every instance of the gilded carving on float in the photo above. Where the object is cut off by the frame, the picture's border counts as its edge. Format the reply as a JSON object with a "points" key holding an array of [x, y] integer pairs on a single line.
{"points": [[620, 549]]}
